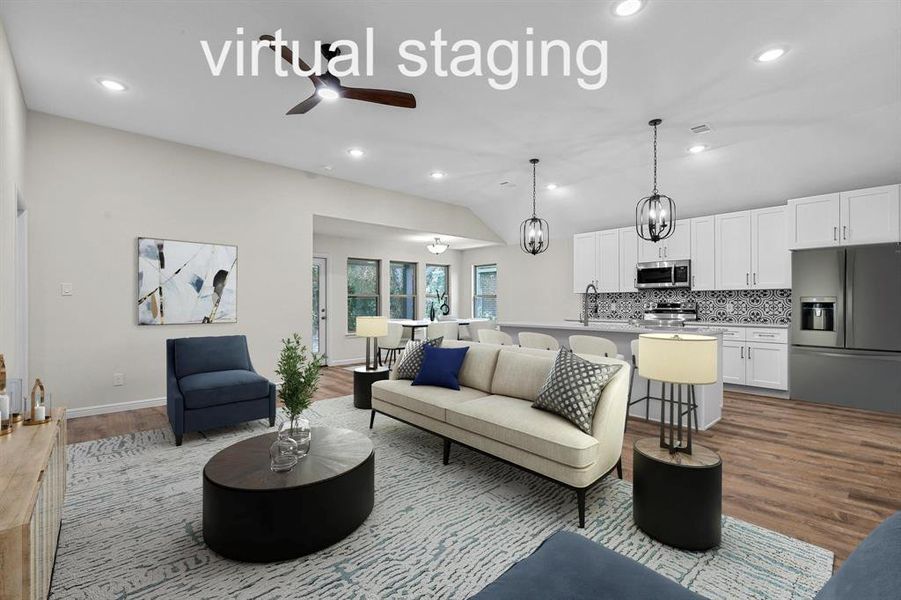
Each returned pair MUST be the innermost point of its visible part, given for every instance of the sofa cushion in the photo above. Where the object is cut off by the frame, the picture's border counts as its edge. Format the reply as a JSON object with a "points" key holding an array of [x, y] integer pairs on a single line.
{"points": [[567, 565], [410, 360], [573, 388], [440, 367], [872, 569], [426, 400], [514, 422], [520, 375], [479, 364], [206, 354], [222, 387]]}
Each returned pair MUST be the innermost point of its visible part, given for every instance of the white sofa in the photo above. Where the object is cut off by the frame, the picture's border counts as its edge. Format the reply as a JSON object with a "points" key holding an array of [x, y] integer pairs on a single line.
{"points": [[492, 413]]}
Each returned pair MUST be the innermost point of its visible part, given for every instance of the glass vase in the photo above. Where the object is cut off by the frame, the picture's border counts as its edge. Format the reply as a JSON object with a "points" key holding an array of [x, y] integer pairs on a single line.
{"points": [[301, 433], [283, 452]]}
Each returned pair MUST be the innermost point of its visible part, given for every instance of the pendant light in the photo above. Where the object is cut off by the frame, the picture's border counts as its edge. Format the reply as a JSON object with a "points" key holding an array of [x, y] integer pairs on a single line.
{"points": [[655, 215], [534, 232], [438, 247]]}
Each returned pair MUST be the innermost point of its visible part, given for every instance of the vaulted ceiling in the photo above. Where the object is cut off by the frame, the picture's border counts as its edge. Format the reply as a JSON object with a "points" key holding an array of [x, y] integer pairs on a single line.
{"points": [[825, 117]]}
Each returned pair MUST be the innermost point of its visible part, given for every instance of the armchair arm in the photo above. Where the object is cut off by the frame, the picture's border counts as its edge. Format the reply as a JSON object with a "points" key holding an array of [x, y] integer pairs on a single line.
{"points": [[175, 402], [272, 399]]}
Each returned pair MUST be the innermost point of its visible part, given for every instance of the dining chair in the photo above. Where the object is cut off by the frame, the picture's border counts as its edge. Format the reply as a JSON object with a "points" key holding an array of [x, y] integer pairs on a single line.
{"points": [[446, 329], [475, 326], [542, 341], [391, 343], [594, 345], [493, 336]]}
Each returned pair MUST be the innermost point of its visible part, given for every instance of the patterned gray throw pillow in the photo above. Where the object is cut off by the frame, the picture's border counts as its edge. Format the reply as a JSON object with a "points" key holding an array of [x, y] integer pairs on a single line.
{"points": [[573, 388], [410, 360]]}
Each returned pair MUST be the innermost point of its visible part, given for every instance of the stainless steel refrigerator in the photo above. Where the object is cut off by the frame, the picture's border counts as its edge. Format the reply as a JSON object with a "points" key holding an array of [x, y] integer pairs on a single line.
{"points": [[846, 327]]}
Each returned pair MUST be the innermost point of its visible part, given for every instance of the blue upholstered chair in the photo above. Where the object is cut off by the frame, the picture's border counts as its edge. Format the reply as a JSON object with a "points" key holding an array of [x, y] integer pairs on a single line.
{"points": [[210, 382]]}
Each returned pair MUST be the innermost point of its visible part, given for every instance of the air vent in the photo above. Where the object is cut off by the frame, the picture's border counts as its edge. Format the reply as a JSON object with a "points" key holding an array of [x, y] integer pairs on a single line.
{"points": [[702, 128]]}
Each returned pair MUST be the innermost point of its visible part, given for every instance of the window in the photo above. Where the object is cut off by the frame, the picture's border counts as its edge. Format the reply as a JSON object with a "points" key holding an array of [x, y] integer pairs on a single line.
{"points": [[402, 290], [484, 288], [362, 290], [437, 290]]}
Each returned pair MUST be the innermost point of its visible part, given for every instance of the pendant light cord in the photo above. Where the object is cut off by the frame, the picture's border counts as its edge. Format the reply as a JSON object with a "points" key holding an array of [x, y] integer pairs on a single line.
{"points": [[655, 160], [533, 189]]}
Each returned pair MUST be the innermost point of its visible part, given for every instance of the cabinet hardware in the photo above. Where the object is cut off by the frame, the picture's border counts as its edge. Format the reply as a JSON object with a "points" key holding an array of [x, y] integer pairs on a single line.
{"points": [[835, 234], [665, 250], [844, 232], [755, 278], [742, 355], [659, 252], [692, 281], [749, 353], [747, 279], [766, 335]]}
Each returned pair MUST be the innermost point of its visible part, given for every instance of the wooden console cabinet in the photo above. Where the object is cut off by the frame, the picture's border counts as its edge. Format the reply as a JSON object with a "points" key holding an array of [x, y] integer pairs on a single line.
{"points": [[32, 489]]}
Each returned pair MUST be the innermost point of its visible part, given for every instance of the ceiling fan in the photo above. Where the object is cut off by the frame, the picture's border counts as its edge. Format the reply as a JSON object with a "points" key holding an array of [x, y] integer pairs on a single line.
{"points": [[328, 87]]}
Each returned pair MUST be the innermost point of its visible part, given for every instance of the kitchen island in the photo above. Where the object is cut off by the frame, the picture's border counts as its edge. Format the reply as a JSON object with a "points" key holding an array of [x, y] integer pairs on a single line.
{"points": [[621, 333]]}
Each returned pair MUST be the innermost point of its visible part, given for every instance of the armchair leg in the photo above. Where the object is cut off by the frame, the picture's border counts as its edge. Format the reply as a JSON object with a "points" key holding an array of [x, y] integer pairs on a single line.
{"points": [[619, 468], [178, 437], [580, 496], [371, 419], [447, 446]]}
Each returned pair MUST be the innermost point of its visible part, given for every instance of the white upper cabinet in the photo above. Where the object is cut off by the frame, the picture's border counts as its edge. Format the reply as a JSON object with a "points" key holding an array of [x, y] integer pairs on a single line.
{"points": [[732, 252], [675, 247], [703, 244], [584, 258], [870, 216], [813, 222], [628, 257], [607, 262], [770, 256]]}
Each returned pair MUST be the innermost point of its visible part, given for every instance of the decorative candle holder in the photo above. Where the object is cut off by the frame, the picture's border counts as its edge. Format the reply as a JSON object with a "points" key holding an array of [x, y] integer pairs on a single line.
{"points": [[38, 413], [16, 401]]}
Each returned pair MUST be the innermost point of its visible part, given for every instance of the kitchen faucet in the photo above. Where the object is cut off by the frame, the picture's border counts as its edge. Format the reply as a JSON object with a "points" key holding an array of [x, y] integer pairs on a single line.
{"points": [[585, 303]]}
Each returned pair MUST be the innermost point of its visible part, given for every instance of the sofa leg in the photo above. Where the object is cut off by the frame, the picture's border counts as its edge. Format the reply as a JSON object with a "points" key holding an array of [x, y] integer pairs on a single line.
{"points": [[447, 445], [619, 468], [178, 439], [580, 496], [371, 419]]}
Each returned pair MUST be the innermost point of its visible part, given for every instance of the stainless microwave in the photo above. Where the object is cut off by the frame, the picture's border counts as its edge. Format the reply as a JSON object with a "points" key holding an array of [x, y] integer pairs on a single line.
{"points": [[664, 274]]}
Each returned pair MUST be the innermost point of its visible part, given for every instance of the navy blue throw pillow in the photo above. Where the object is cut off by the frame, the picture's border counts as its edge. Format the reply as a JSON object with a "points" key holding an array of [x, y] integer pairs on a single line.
{"points": [[440, 366]]}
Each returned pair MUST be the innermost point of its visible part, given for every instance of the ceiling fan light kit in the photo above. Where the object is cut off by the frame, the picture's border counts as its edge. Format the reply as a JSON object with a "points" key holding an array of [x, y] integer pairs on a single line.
{"points": [[655, 215], [534, 232]]}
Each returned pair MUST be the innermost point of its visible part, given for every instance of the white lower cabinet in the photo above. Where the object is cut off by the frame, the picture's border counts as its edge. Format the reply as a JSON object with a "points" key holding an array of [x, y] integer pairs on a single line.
{"points": [[756, 364]]}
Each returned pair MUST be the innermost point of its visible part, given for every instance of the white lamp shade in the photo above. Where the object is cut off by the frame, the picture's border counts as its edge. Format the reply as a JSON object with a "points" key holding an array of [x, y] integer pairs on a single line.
{"points": [[372, 326], [678, 358]]}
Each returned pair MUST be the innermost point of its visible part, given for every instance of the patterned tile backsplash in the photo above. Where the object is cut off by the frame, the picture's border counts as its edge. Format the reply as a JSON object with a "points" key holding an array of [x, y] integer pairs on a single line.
{"points": [[727, 306]]}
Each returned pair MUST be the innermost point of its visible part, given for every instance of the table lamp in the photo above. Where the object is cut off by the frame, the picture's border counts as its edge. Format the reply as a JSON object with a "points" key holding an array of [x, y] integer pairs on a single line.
{"points": [[371, 328], [678, 359]]}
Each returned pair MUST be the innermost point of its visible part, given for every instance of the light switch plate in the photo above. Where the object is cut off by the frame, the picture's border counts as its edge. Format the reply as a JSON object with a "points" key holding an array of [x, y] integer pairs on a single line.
{"points": [[65, 289], [118, 379]]}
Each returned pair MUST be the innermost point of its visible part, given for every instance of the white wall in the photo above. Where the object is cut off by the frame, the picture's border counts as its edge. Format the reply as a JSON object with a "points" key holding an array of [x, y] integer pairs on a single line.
{"points": [[344, 348], [94, 190], [12, 174], [529, 288]]}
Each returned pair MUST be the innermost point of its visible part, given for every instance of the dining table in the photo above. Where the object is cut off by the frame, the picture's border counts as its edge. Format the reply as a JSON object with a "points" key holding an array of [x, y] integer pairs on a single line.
{"points": [[414, 324]]}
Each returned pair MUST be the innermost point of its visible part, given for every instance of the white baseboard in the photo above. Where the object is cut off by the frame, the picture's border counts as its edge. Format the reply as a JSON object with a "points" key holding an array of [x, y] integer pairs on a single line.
{"points": [[101, 409], [346, 361]]}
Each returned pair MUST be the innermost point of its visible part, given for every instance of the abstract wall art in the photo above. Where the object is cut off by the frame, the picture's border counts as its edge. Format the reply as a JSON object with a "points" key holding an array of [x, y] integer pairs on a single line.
{"points": [[186, 282]]}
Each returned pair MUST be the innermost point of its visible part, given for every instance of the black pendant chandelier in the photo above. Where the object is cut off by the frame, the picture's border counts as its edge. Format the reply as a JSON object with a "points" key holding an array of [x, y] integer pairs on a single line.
{"points": [[534, 232], [655, 215]]}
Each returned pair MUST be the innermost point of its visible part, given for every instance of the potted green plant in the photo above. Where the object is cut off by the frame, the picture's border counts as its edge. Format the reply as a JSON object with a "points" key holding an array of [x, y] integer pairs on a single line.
{"points": [[299, 371]]}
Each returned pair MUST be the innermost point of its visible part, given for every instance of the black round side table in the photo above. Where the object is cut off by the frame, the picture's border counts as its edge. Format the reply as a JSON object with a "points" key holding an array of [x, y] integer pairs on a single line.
{"points": [[677, 498], [363, 380]]}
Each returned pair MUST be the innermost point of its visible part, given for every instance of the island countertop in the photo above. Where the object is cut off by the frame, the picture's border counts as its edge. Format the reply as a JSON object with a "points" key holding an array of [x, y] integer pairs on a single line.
{"points": [[610, 327]]}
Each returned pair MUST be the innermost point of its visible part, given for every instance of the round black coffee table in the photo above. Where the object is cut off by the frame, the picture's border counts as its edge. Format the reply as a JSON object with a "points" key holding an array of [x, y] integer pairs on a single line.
{"points": [[677, 498], [254, 515]]}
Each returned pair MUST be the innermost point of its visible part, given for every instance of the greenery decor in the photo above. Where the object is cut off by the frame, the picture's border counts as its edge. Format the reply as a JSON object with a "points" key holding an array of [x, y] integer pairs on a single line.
{"points": [[299, 371]]}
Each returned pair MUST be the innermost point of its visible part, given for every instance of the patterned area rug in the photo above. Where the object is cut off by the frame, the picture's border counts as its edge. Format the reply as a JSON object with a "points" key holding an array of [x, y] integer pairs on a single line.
{"points": [[132, 527]]}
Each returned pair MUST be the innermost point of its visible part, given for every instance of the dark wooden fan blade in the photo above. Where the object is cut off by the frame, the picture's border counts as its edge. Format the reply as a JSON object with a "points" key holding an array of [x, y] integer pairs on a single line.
{"points": [[288, 56], [306, 105], [389, 97]]}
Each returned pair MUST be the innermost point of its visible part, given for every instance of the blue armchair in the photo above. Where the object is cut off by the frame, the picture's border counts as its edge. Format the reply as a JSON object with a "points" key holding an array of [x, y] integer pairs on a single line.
{"points": [[210, 382]]}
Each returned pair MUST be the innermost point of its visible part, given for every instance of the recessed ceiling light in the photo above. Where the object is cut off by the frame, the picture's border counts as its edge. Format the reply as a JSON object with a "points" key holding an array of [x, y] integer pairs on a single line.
{"points": [[112, 85], [627, 8], [771, 54], [327, 93], [551, 186], [356, 153], [437, 175], [697, 148]]}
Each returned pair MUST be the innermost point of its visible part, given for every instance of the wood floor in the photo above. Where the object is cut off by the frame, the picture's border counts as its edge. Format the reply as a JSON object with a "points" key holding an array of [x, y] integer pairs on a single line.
{"points": [[819, 473]]}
